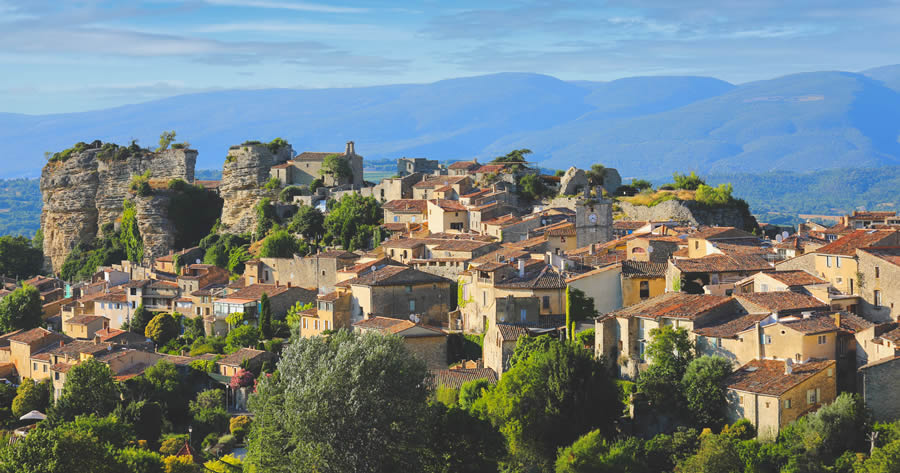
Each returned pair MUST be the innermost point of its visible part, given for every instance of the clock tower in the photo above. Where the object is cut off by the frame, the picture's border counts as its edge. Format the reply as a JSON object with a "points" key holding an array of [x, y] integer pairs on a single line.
{"points": [[593, 219]]}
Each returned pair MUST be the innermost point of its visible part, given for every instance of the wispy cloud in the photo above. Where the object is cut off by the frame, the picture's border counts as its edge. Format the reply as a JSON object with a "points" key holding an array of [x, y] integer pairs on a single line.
{"points": [[296, 6]]}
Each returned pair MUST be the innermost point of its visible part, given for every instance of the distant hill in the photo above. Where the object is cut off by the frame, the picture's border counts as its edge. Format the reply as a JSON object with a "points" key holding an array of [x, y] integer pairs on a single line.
{"points": [[644, 126]]}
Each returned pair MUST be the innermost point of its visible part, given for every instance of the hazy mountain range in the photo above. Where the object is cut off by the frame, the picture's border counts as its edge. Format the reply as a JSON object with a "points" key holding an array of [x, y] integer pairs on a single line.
{"points": [[644, 126]]}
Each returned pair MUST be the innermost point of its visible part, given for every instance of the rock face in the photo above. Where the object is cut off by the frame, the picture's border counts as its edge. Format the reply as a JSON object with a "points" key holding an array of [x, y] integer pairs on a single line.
{"points": [[157, 231], [572, 181], [84, 192], [691, 212], [244, 176]]}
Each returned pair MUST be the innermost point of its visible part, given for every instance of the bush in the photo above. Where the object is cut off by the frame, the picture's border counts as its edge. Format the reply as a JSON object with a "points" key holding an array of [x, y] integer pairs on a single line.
{"points": [[276, 145], [172, 444], [162, 328], [288, 193], [446, 396], [272, 184], [140, 184], [714, 195], [239, 426], [688, 182]]}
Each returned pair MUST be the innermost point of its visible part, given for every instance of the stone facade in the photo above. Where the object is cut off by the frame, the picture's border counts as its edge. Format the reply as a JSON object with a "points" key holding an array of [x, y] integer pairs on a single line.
{"points": [[431, 349], [84, 192], [317, 271], [880, 288], [688, 212], [573, 181], [878, 384], [407, 166], [244, 175]]}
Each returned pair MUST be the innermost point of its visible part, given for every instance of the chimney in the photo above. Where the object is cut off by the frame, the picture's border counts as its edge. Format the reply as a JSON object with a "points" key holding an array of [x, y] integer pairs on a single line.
{"points": [[837, 319], [591, 249], [289, 284], [61, 343], [547, 258], [521, 268], [350, 151], [788, 366]]}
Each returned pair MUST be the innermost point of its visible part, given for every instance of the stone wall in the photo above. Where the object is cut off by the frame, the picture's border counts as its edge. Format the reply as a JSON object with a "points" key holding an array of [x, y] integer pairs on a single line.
{"points": [[878, 385], [244, 176], [433, 350], [690, 212], [83, 193], [312, 272]]}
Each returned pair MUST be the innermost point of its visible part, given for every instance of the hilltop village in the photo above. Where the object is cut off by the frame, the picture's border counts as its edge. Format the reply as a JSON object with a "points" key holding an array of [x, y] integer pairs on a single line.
{"points": [[647, 315]]}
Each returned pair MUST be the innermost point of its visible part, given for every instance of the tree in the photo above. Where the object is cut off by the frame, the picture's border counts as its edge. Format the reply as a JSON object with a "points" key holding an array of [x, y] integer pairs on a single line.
{"points": [[592, 453], [720, 195], [337, 167], [884, 459], [168, 389], [226, 464], [526, 346], [138, 460], [363, 373], [265, 316], [472, 391], [309, 222], [717, 454], [86, 445], [578, 307], [146, 417], [832, 429], [704, 390], [279, 244], [139, 319], [31, 396], [531, 187], [18, 258], [165, 139], [265, 217], [209, 415], [688, 182], [669, 353], [459, 442], [240, 337], [641, 184], [351, 221], [514, 156], [21, 309], [581, 392], [162, 328], [89, 389], [241, 379], [596, 175], [182, 464], [131, 233]]}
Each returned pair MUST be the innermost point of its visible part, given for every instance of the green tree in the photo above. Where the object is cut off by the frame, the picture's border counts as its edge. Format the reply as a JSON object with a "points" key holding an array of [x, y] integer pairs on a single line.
{"points": [[279, 244], [832, 429], [138, 460], [578, 307], [31, 396], [459, 442], [265, 316], [309, 222], [240, 337], [641, 184], [592, 453], [531, 187], [162, 328], [288, 193], [89, 389], [884, 459], [351, 221], [514, 156], [139, 320], [526, 346], [168, 388], [131, 233], [18, 258], [146, 417], [336, 166], [717, 454], [472, 391], [21, 309], [37, 242], [669, 352], [71, 447], [265, 217], [315, 184], [704, 390], [688, 182], [165, 139], [596, 175], [363, 373], [581, 392], [720, 195]]}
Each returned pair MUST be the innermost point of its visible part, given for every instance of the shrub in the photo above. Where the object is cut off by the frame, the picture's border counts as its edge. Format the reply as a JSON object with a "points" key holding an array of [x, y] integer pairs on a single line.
{"points": [[172, 445], [288, 193], [140, 184], [242, 379], [276, 145], [239, 427], [273, 183]]}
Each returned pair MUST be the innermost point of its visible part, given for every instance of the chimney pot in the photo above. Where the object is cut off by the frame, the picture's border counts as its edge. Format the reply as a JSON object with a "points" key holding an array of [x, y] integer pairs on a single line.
{"points": [[288, 284], [521, 268], [788, 366], [61, 343]]}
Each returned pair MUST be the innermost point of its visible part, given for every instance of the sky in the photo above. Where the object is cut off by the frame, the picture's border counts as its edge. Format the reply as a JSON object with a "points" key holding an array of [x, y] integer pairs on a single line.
{"points": [[71, 55]]}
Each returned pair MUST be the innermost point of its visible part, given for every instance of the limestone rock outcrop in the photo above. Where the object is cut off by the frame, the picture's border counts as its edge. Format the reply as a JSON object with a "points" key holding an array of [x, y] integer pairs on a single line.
{"points": [[572, 181], [86, 190], [244, 177], [691, 212], [157, 231]]}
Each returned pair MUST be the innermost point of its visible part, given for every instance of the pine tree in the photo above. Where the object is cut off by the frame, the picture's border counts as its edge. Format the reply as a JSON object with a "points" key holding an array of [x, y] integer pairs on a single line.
{"points": [[265, 316]]}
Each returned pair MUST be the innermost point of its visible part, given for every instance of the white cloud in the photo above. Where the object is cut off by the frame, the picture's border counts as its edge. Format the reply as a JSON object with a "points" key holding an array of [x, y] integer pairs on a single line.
{"points": [[282, 5]]}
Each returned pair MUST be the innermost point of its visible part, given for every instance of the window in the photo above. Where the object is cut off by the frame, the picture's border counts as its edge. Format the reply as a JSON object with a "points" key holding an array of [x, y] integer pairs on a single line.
{"points": [[828, 261], [767, 404], [830, 372], [765, 339], [45, 368], [696, 245], [35, 366], [813, 396], [823, 339], [56, 376], [877, 298], [408, 289], [645, 290], [877, 272], [522, 315], [484, 298], [304, 322], [413, 219], [412, 305], [764, 288], [787, 403], [837, 261], [546, 302], [396, 218]]}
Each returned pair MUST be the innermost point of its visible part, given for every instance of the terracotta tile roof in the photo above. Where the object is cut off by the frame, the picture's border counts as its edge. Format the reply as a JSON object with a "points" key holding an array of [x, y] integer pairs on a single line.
{"points": [[545, 278], [717, 263], [838, 229], [331, 296], [795, 277], [461, 245], [490, 266], [404, 243], [872, 215], [628, 224], [893, 335], [490, 168], [768, 377], [502, 220], [393, 276], [463, 165], [593, 272], [313, 156], [502, 254], [567, 229], [510, 332], [138, 283], [891, 254], [78, 347], [401, 227], [62, 367], [449, 205], [254, 291], [456, 378], [34, 335], [406, 206], [41, 356], [530, 243], [238, 357], [781, 301], [677, 305], [643, 269], [432, 182], [848, 244], [811, 325], [117, 296], [389, 325], [731, 327], [476, 193], [84, 319], [854, 323], [358, 268], [719, 233]]}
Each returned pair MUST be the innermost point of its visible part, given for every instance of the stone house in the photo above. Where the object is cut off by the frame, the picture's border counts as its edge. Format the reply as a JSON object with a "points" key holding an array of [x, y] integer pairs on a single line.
{"points": [[405, 211], [604, 285], [396, 188], [500, 342], [773, 393], [198, 276], [254, 359], [307, 166], [332, 312], [653, 248], [705, 241], [154, 295], [84, 327], [877, 342], [447, 216], [836, 262], [318, 271], [642, 280], [860, 219], [713, 273], [399, 292], [23, 345], [406, 166], [879, 288], [778, 281], [797, 244], [427, 343], [462, 168], [878, 383], [166, 263], [246, 300], [367, 265], [426, 188]]}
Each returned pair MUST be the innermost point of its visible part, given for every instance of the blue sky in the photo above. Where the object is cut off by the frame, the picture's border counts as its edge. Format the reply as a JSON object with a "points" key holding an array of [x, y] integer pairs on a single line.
{"points": [[71, 55]]}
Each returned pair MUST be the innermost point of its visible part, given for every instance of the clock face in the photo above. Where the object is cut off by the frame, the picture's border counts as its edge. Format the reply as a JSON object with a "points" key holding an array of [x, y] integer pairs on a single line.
{"points": [[593, 218]]}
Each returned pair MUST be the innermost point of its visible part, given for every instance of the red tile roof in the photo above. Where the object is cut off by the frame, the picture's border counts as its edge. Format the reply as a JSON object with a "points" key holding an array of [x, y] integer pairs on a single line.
{"points": [[490, 168], [449, 205], [780, 301], [719, 233], [729, 328], [768, 377], [545, 278], [456, 378], [406, 206], [891, 254], [717, 263], [848, 244], [677, 305], [389, 325], [463, 165], [795, 277], [393, 276]]}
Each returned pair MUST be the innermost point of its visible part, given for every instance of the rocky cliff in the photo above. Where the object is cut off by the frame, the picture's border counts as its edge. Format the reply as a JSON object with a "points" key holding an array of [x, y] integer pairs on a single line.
{"points": [[244, 176], [83, 188], [691, 212]]}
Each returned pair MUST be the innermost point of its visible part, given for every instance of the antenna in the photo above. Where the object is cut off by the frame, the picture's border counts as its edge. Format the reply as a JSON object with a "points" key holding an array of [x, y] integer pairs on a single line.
{"points": [[197, 261], [649, 248], [779, 238], [785, 234]]}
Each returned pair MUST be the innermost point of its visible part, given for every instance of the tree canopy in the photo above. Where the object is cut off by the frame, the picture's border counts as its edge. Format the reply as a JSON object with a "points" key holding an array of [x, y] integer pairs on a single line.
{"points": [[162, 328], [21, 309], [89, 389], [18, 258], [351, 221], [669, 352], [704, 390]]}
